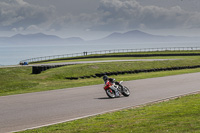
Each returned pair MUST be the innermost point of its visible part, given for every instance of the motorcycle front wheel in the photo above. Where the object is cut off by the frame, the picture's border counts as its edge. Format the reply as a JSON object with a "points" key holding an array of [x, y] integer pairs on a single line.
{"points": [[110, 93], [125, 91]]}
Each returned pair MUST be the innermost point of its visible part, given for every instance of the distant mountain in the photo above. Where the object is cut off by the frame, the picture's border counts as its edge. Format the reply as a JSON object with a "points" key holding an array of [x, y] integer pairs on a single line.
{"points": [[128, 36], [131, 37], [34, 36], [139, 36], [39, 39]]}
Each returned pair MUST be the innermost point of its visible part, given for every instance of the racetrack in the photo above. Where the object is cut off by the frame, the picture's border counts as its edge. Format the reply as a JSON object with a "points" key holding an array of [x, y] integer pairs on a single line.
{"points": [[20, 112]]}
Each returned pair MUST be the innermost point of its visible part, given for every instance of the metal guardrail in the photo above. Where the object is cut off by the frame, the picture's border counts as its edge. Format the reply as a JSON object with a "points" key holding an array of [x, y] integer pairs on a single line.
{"points": [[109, 52]]}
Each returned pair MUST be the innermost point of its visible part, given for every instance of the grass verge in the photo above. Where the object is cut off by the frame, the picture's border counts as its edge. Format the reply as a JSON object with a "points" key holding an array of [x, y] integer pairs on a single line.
{"points": [[180, 115]]}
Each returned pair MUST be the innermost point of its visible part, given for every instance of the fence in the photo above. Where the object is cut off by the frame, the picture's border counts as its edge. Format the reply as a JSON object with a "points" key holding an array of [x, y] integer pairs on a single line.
{"points": [[109, 52]]}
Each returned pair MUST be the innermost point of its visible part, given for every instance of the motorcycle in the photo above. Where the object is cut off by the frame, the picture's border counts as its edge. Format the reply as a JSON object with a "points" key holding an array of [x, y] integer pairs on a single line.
{"points": [[123, 90]]}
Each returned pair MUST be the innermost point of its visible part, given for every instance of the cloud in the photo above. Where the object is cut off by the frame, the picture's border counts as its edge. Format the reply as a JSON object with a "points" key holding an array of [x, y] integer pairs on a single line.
{"points": [[130, 14], [193, 21], [111, 15], [69, 21], [15, 14]]}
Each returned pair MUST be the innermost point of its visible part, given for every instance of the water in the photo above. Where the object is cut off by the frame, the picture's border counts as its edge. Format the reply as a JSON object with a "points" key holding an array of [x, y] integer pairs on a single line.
{"points": [[13, 54]]}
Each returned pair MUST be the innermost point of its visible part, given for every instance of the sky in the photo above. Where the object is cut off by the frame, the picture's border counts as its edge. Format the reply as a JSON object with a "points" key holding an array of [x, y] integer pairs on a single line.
{"points": [[93, 19]]}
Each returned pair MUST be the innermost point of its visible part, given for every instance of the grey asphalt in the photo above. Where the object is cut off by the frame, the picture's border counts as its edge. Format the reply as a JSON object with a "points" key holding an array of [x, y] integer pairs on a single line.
{"points": [[24, 111]]}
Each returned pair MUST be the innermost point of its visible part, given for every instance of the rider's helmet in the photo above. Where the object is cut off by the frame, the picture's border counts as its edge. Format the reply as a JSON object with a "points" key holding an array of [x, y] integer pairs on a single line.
{"points": [[105, 77]]}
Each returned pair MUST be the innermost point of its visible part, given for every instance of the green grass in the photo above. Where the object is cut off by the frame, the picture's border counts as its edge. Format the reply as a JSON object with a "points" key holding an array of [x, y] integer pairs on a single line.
{"points": [[180, 115], [19, 80], [116, 58]]}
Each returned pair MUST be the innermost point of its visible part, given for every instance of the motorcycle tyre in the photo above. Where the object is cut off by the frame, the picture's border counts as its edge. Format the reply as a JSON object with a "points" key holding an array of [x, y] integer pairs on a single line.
{"points": [[109, 94], [125, 91]]}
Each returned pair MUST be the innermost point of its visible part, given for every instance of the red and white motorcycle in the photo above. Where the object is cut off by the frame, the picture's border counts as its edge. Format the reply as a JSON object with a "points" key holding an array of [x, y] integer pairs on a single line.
{"points": [[112, 87]]}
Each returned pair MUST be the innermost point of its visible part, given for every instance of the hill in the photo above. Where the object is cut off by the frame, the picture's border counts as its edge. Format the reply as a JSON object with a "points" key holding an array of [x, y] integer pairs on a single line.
{"points": [[39, 39], [134, 36], [139, 36]]}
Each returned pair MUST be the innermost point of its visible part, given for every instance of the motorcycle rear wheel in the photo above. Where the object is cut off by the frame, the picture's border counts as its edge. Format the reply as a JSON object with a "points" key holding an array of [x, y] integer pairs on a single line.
{"points": [[110, 93]]}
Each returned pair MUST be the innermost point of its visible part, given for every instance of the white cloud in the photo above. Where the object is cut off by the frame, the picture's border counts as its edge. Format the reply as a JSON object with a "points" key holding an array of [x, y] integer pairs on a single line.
{"points": [[18, 13], [111, 15], [20, 29], [129, 14], [193, 21], [82, 21], [33, 28]]}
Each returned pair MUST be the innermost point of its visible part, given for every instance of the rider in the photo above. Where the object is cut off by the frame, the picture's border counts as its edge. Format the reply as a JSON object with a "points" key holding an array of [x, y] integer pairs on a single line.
{"points": [[107, 82]]}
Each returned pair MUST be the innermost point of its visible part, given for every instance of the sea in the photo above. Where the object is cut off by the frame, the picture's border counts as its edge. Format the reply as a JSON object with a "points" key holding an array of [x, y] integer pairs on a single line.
{"points": [[12, 54]]}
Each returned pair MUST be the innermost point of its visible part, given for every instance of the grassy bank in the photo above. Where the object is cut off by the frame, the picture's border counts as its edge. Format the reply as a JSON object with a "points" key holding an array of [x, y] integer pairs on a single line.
{"points": [[180, 115], [111, 56], [20, 80]]}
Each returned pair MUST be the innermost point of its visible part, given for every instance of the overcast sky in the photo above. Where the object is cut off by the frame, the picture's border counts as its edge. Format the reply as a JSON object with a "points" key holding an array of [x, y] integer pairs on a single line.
{"points": [[91, 19]]}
